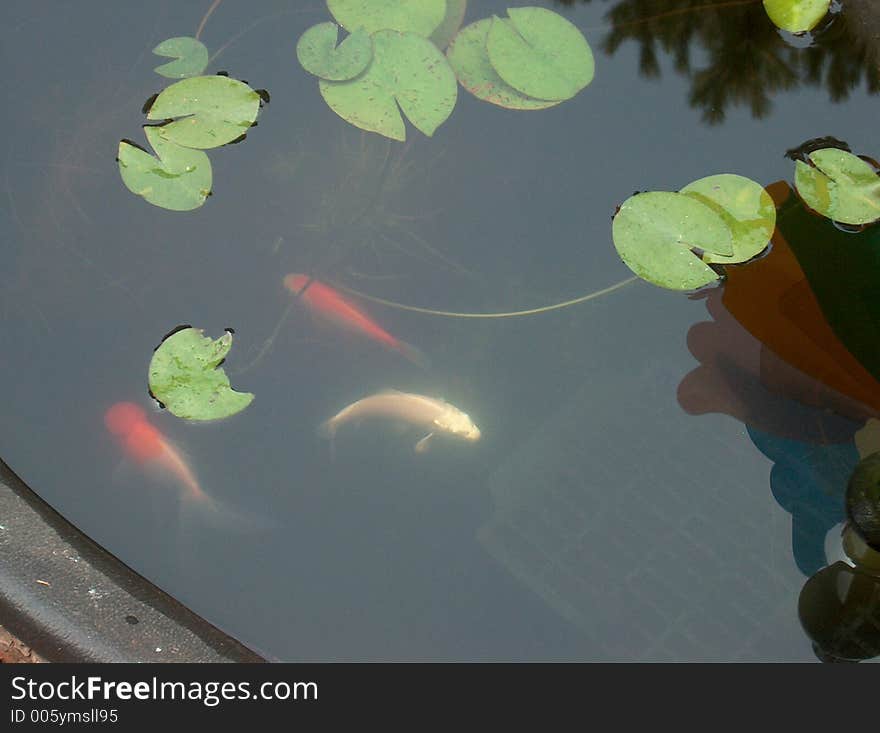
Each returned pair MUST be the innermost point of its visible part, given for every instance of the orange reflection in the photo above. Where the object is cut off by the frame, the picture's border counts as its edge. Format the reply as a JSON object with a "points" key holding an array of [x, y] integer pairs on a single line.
{"points": [[773, 301]]}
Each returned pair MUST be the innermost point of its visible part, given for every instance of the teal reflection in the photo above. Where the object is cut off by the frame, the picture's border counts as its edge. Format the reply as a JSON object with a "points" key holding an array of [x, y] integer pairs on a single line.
{"points": [[808, 481]]}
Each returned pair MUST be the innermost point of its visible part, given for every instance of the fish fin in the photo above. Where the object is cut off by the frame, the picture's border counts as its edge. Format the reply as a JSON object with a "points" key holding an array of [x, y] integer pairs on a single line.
{"points": [[413, 355], [327, 429], [221, 516], [423, 445]]}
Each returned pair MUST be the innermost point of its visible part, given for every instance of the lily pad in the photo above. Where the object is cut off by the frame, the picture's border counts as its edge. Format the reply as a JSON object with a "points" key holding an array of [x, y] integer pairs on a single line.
{"points": [[796, 16], [469, 59], [214, 110], [445, 32], [746, 208], [540, 53], [839, 185], [319, 55], [190, 57], [185, 376], [407, 70], [654, 234], [178, 179], [407, 16]]}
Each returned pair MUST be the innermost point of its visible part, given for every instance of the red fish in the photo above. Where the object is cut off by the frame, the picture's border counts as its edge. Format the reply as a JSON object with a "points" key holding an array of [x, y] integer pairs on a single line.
{"points": [[144, 444], [330, 304]]}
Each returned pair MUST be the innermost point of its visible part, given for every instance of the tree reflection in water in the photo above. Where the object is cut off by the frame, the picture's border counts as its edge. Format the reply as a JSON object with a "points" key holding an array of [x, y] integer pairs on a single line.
{"points": [[748, 60]]}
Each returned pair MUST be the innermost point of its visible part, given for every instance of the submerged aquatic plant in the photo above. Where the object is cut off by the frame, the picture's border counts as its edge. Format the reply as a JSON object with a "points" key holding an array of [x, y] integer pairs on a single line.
{"points": [[365, 207]]}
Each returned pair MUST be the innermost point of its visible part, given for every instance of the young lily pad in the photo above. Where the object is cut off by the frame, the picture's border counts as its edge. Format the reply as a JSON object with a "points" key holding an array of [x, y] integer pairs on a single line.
{"points": [[540, 53], [746, 208], [839, 185], [190, 57], [407, 70], [654, 234], [214, 110], [796, 16], [186, 378], [319, 55], [407, 16], [178, 179], [445, 32], [469, 59]]}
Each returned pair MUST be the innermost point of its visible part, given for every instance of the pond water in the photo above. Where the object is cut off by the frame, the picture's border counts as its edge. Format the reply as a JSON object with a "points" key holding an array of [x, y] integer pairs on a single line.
{"points": [[633, 492]]}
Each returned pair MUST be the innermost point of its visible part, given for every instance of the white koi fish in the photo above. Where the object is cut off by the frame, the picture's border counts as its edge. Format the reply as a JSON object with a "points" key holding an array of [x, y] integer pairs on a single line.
{"points": [[428, 413]]}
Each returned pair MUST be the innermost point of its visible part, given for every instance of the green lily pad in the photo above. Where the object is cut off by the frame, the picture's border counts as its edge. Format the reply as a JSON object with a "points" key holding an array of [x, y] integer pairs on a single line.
{"points": [[319, 55], [214, 110], [796, 16], [654, 234], [178, 179], [540, 53], [407, 16], [190, 57], [469, 59], [445, 32], [186, 378], [839, 185], [407, 70], [746, 208]]}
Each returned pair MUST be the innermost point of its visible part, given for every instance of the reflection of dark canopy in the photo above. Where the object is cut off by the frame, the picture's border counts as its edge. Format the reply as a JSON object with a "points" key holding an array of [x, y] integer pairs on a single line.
{"points": [[748, 61]]}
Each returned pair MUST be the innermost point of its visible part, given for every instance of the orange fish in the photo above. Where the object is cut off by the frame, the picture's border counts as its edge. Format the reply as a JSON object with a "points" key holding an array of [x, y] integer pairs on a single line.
{"points": [[330, 304], [144, 444]]}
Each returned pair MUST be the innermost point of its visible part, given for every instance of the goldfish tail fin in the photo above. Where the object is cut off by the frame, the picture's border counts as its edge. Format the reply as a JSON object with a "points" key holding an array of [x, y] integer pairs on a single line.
{"points": [[222, 516], [414, 355]]}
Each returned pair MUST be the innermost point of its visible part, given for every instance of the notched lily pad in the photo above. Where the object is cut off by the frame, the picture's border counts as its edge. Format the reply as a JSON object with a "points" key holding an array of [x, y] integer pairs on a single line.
{"points": [[212, 111], [190, 57], [796, 16], [469, 59], [655, 232], [186, 377], [178, 179], [839, 185], [319, 55], [407, 71], [540, 54], [407, 16], [746, 208]]}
